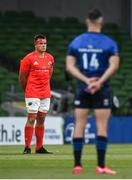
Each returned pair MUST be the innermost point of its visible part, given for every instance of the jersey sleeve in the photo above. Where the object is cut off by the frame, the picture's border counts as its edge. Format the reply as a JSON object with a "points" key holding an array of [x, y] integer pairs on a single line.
{"points": [[53, 60], [52, 65], [25, 64], [114, 49], [71, 50]]}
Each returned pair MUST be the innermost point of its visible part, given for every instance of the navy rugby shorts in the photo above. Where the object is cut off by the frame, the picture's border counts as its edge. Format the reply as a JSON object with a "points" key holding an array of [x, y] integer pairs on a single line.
{"points": [[101, 99]]}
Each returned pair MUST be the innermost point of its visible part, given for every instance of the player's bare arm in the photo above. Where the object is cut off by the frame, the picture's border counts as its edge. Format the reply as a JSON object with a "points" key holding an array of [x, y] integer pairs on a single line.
{"points": [[23, 76], [73, 70], [113, 67]]}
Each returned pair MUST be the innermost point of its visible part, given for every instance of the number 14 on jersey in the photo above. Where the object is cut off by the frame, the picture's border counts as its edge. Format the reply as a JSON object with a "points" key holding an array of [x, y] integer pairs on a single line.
{"points": [[90, 63]]}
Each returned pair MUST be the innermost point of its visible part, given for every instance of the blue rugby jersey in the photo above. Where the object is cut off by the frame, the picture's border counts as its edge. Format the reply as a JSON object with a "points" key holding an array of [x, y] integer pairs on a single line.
{"points": [[92, 51]]}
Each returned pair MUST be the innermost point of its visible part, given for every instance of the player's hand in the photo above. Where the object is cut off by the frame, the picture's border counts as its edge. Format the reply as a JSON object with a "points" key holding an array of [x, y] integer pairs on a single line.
{"points": [[91, 80], [94, 87]]}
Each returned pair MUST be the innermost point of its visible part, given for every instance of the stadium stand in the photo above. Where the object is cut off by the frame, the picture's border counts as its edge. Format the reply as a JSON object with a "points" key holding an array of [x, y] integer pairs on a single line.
{"points": [[17, 30]]}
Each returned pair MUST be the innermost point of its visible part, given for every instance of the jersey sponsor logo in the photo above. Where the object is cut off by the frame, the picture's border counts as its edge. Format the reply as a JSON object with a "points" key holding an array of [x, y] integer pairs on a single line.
{"points": [[106, 102], [77, 102], [41, 70], [90, 50]]}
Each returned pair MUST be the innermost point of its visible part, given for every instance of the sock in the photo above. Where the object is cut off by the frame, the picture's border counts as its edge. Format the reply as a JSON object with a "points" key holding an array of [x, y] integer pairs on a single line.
{"points": [[101, 147], [39, 132], [77, 150], [28, 136]]}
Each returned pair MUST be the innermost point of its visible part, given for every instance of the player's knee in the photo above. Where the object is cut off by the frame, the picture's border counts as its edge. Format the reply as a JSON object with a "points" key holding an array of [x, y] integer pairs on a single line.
{"points": [[32, 117], [41, 115]]}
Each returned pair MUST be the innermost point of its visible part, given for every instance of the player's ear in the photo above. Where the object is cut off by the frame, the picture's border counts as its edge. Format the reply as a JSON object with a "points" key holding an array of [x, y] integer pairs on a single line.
{"points": [[87, 21]]}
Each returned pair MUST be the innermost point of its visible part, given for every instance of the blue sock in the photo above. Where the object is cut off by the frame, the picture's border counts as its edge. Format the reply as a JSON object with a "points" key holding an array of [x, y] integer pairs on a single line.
{"points": [[101, 147], [77, 150]]}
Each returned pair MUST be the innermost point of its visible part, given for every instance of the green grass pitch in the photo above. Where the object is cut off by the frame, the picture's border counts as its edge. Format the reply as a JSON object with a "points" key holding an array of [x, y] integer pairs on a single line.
{"points": [[15, 165]]}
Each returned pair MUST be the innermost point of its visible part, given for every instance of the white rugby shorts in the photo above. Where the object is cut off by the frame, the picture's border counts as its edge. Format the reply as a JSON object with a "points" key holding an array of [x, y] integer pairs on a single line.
{"points": [[34, 105]]}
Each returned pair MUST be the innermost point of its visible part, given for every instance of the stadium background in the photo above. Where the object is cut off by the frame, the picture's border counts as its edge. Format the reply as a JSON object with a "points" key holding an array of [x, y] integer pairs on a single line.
{"points": [[61, 21]]}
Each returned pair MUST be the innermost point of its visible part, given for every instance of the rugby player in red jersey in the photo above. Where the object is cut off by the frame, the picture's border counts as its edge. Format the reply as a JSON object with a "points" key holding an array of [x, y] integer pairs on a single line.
{"points": [[34, 77]]}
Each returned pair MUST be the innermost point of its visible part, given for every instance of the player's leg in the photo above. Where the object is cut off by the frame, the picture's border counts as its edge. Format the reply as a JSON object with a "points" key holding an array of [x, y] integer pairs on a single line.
{"points": [[102, 103], [78, 138], [39, 128], [32, 105], [102, 117], [82, 103]]}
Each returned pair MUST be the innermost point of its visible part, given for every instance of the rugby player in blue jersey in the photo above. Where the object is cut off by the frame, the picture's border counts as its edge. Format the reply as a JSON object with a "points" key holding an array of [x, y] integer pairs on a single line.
{"points": [[93, 59]]}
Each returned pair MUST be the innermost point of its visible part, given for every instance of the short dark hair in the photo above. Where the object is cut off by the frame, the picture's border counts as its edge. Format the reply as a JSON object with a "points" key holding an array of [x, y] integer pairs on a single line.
{"points": [[94, 14], [39, 36]]}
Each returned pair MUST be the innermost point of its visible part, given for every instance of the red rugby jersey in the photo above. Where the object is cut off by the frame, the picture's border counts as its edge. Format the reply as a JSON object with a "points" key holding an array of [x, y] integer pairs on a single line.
{"points": [[38, 69]]}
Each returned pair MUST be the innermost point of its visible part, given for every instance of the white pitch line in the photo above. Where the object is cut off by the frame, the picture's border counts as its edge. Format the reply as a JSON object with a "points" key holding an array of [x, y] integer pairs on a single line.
{"points": [[63, 157]]}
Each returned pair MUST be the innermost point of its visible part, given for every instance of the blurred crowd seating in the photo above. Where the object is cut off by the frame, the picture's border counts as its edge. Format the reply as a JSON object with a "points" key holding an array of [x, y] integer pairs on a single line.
{"points": [[17, 30]]}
